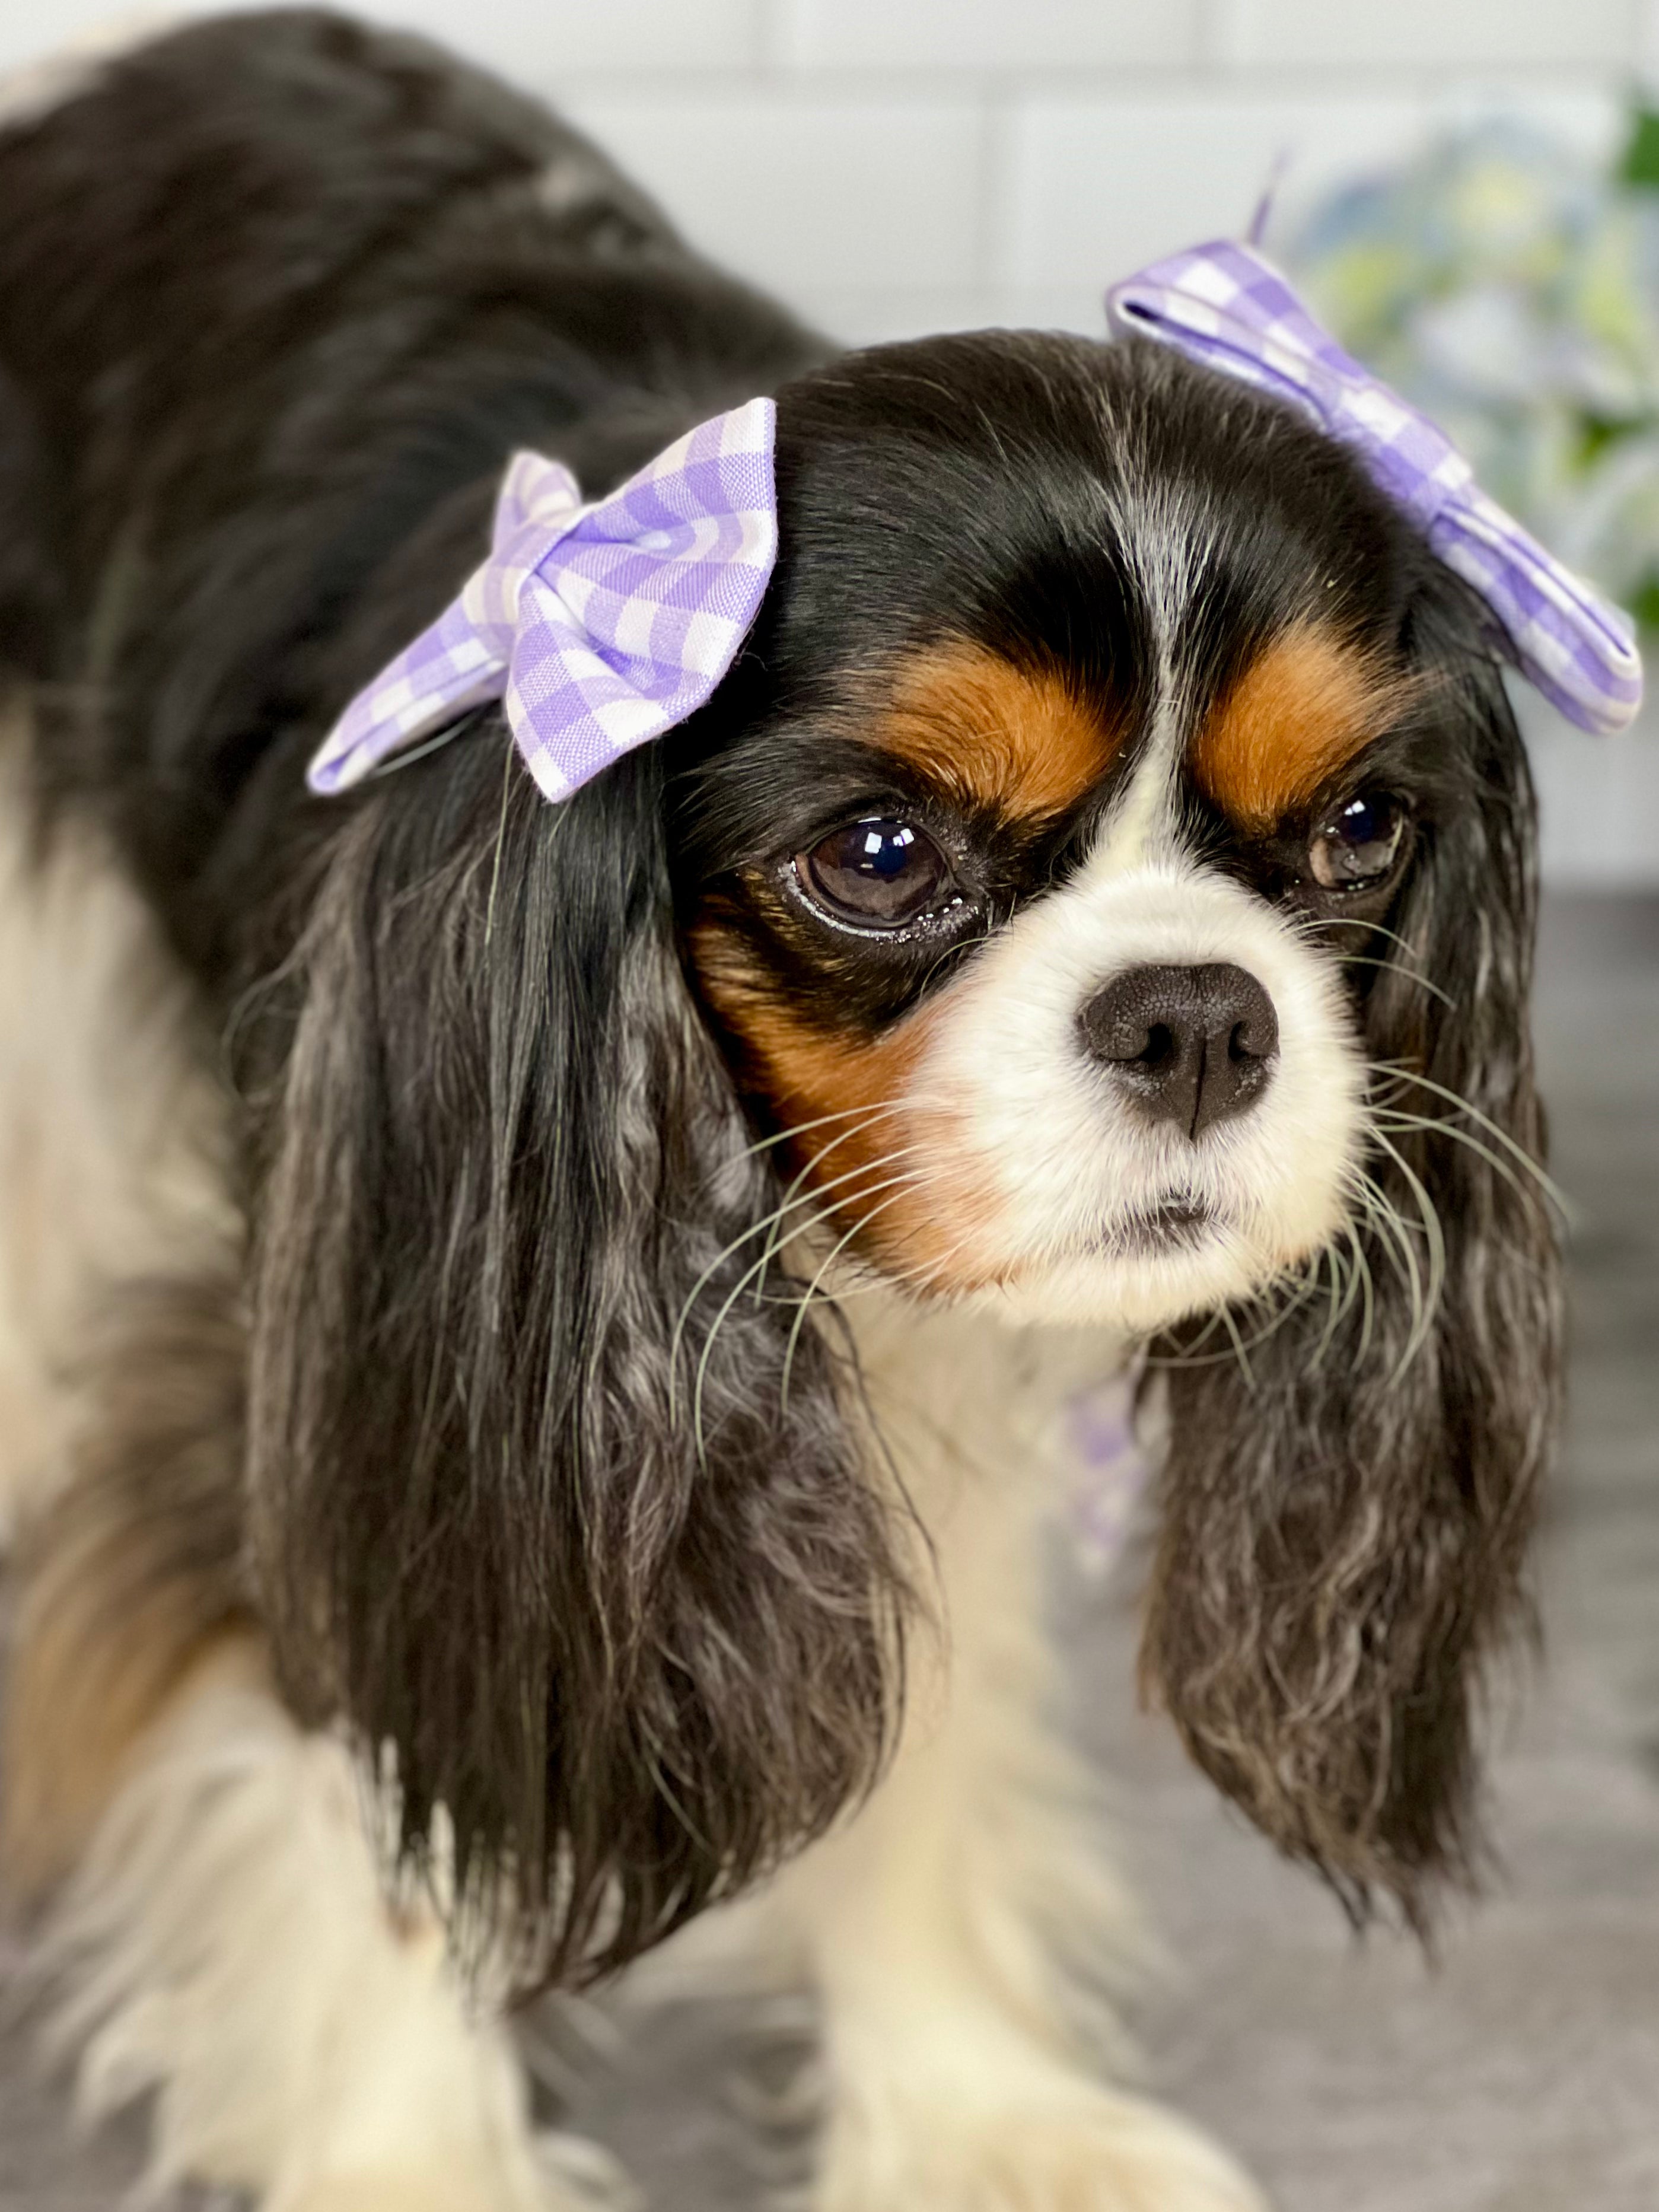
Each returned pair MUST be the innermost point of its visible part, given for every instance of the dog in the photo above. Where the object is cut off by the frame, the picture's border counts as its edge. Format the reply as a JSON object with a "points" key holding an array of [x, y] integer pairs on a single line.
{"points": [[537, 1336]]}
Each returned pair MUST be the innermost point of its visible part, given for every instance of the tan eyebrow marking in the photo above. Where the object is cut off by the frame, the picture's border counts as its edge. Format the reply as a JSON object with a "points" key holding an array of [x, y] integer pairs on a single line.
{"points": [[988, 733], [1306, 705]]}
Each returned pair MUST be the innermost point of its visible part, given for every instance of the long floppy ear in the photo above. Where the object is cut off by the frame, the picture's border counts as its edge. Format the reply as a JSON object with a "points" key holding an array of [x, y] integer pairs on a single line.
{"points": [[532, 1504], [1345, 1527]]}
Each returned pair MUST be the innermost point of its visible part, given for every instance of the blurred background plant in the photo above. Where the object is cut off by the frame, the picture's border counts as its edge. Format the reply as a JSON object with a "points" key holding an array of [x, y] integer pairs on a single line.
{"points": [[1509, 286]]}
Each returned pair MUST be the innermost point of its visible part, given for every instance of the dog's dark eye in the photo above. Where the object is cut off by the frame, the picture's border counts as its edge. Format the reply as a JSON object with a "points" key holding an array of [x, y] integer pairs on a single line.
{"points": [[1357, 845], [879, 873]]}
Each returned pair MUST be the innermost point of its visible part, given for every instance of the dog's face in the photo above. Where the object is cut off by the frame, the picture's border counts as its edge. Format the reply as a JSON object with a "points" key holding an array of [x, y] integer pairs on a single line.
{"points": [[1101, 892], [1089, 752], [1047, 1009]]}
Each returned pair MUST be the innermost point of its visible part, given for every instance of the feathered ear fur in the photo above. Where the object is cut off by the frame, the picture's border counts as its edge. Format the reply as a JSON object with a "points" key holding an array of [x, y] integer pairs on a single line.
{"points": [[531, 1504], [1345, 1524]]}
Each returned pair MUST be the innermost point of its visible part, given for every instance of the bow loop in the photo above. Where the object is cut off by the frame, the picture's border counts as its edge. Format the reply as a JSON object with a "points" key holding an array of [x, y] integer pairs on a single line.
{"points": [[598, 627], [1224, 305], [536, 493]]}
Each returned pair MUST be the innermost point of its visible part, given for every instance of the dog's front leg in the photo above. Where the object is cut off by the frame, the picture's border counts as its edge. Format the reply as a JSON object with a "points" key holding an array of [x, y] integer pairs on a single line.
{"points": [[223, 1946], [939, 1921], [219, 1935]]}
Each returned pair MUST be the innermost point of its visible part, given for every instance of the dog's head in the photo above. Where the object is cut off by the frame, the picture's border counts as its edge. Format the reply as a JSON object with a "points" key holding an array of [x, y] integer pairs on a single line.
{"points": [[1101, 892]]}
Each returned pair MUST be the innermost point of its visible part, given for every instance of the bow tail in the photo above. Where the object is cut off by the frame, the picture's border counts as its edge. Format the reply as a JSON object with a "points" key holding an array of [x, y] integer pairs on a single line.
{"points": [[1565, 638]]}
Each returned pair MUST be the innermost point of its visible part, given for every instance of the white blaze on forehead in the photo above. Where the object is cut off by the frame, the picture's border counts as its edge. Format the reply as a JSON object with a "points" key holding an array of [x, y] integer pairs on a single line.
{"points": [[1157, 536], [1139, 827]]}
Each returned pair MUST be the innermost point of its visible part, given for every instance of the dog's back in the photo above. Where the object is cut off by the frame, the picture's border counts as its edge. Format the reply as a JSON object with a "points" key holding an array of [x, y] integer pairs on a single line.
{"points": [[279, 296]]}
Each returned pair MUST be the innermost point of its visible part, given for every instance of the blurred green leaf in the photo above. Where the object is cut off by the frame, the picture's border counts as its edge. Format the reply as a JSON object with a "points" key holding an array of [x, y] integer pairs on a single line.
{"points": [[1640, 165], [1598, 432]]}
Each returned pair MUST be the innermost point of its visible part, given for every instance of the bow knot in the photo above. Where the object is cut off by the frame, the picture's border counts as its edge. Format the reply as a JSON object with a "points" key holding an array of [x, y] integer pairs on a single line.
{"points": [[598, 627]]}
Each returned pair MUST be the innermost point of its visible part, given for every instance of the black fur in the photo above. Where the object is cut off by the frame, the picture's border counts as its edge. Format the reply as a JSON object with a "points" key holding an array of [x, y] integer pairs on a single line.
{"points": [[1347, 1512], [258, 379], [631, 1617]]}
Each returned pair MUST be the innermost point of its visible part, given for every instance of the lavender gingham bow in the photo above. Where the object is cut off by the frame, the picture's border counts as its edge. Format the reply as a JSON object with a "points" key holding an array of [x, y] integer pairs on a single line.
{"points": [[598, 627], [1226, 307]]}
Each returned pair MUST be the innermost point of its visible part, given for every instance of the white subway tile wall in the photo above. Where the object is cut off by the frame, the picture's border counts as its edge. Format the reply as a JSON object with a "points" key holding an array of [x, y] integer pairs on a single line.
{"points": [[960, 35], [890, 167], [1426, 34], [872, 194]]}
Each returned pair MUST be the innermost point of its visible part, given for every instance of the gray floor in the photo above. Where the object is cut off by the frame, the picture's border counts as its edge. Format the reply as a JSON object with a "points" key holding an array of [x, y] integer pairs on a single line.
{"points": [[1520, 2076]]}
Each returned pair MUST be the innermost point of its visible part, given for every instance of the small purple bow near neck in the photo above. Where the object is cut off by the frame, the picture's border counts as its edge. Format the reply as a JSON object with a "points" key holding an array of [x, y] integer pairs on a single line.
{"points": [[1224, 305], [598, 627]]}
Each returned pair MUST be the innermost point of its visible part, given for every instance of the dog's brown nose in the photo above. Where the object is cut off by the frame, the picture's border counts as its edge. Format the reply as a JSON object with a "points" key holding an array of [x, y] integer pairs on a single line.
{"points": [[1188, 1045]]}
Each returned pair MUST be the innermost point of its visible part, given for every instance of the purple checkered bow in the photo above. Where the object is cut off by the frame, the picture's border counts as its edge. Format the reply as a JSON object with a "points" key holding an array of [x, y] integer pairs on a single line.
{"points": [[598, 627], [1226, 307]]}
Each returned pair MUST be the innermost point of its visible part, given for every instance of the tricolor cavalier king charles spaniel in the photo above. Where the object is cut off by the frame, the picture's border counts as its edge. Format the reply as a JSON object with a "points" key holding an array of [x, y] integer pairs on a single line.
{"points": [[536, 1337]]}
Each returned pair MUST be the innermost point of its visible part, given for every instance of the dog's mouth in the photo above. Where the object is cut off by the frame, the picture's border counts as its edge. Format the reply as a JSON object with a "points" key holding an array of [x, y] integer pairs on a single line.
{"points": [[1176, 1224]]}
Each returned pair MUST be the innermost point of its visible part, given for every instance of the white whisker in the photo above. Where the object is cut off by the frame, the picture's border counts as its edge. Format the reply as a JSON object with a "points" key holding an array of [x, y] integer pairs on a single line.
{"points": [[835, 1250], [814, 1220], [1437, 1254], [767, 1221]]}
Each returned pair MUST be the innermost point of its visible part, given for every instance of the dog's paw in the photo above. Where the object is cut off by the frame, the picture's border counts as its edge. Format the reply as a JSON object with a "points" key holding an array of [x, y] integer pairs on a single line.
{"points": [[1088, 2151]]}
